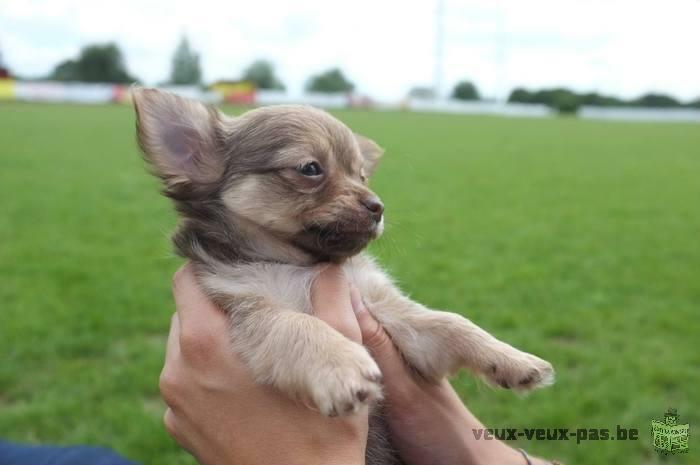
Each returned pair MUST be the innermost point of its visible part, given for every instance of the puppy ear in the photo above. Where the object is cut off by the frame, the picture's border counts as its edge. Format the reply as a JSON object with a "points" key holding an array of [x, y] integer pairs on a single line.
{"points": [[371, 153], [180, 138]]}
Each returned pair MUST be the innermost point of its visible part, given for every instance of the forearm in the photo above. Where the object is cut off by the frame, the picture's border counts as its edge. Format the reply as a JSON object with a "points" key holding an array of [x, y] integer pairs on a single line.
{"points": [[455, 441]]}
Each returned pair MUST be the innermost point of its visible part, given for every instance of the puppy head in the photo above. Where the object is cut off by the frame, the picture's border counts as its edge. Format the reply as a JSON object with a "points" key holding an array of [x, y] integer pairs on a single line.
{"points": [[294, 171]]}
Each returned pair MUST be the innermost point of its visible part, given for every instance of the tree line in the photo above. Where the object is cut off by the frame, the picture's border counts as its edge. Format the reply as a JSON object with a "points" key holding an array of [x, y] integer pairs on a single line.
{"points": [[105, 63], [567, 101]]}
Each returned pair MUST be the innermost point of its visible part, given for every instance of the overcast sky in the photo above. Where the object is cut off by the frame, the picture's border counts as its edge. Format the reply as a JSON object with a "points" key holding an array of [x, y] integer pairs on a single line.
{"points": [[622, 47]]}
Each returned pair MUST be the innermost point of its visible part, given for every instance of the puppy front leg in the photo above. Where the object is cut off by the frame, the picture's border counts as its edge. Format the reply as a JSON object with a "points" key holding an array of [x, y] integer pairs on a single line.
{"points": [[438, 343], [303, 357]]}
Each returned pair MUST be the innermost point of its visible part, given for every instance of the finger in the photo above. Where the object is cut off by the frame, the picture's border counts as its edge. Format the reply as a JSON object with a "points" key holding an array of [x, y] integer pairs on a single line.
{"points": [[330, 299], [204, 333], [376, 339], [172, 346], [167, 381], [175, 428], [170, 423], [193, 307]]}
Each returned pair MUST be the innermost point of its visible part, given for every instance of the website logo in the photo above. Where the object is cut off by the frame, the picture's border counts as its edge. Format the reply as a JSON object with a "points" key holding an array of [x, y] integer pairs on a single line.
{"points": [[670, 437]]}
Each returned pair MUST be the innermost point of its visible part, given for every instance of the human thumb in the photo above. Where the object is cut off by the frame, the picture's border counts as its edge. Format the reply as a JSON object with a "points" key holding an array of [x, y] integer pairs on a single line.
{"points": [[376, 339]]}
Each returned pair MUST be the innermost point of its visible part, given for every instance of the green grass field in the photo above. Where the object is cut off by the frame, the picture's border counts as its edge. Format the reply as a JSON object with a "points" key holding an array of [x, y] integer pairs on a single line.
{"points": [[576, 240]]}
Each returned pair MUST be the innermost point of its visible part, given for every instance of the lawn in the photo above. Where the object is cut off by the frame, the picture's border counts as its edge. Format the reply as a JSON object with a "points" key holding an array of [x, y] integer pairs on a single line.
{"points": [[576, 240]]}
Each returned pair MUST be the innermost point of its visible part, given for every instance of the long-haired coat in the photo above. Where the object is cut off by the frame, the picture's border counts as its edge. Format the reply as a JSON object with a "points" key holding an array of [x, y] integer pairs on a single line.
{"points": [[265, 199]]}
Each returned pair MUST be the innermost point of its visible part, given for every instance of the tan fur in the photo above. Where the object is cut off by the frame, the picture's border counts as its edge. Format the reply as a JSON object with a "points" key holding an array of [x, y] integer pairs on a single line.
{"points": [[435, 343], [258, 231]]}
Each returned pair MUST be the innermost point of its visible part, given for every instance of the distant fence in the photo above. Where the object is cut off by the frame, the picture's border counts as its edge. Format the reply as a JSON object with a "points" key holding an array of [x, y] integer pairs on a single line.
{"points": [[641, 114], [271, 97], [479, 108], [84, 92], [49, 91], [96, 93], [542, 111]]}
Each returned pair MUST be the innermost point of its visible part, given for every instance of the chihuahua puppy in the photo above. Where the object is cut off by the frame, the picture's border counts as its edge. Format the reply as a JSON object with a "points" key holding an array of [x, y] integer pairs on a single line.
{"points": [[265, 199]]}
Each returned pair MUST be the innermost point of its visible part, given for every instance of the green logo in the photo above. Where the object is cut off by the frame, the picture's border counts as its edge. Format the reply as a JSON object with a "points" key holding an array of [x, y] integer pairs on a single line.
{"points": [[669, 436]]}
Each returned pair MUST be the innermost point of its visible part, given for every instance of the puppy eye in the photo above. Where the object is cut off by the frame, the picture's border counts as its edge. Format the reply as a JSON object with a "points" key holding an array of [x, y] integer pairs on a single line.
{"points": [[310, 169]]}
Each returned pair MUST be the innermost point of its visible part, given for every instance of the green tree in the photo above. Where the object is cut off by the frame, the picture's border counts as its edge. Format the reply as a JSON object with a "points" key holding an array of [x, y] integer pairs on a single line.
{"points": [[520, 95], [566, 102], [598, 100], [560, 99], [4, 72], [96, 63], [694, 104], [330, 81], [185, 65], [262, 73], [465, 90], [656, 101], [65, 71]]}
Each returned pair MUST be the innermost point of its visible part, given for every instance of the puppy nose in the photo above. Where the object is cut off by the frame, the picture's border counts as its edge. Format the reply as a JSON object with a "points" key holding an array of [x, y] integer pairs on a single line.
{"points": [[375, 206]]}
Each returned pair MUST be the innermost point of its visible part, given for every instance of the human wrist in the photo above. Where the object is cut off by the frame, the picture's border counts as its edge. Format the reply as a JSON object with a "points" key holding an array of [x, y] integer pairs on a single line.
{"points": [[339, 455], [476, 449], [341, 441], [302, 454]]}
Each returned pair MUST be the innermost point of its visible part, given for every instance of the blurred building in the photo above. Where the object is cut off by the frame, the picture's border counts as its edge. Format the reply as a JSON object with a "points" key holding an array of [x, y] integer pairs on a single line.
{"points": [[7, 89], [237, 92]]}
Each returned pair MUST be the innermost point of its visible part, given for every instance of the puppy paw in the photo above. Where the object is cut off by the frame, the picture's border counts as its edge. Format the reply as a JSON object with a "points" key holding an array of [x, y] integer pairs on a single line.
{"points": [[519, 371], [348, 384]]}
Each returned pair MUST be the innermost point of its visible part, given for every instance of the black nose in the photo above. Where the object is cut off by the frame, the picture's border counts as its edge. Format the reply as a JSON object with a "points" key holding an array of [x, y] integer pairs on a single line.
{"points": [[375, 206]]}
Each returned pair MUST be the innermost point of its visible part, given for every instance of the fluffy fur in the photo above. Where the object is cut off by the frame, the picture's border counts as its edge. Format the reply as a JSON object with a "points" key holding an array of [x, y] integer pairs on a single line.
{"points": [[267, 198]]}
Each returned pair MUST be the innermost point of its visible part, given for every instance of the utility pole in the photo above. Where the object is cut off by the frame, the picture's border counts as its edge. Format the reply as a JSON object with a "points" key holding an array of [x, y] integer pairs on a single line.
{"points": [[501, 54], [439, 39]]}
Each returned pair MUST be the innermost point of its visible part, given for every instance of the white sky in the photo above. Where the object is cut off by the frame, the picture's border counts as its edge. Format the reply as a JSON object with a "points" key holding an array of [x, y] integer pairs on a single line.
{"points": [[622, 47]]}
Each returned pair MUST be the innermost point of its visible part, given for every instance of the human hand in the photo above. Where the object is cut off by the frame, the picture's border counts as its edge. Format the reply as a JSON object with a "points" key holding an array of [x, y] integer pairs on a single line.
{"points": [[216, 411], [428, 422]]}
